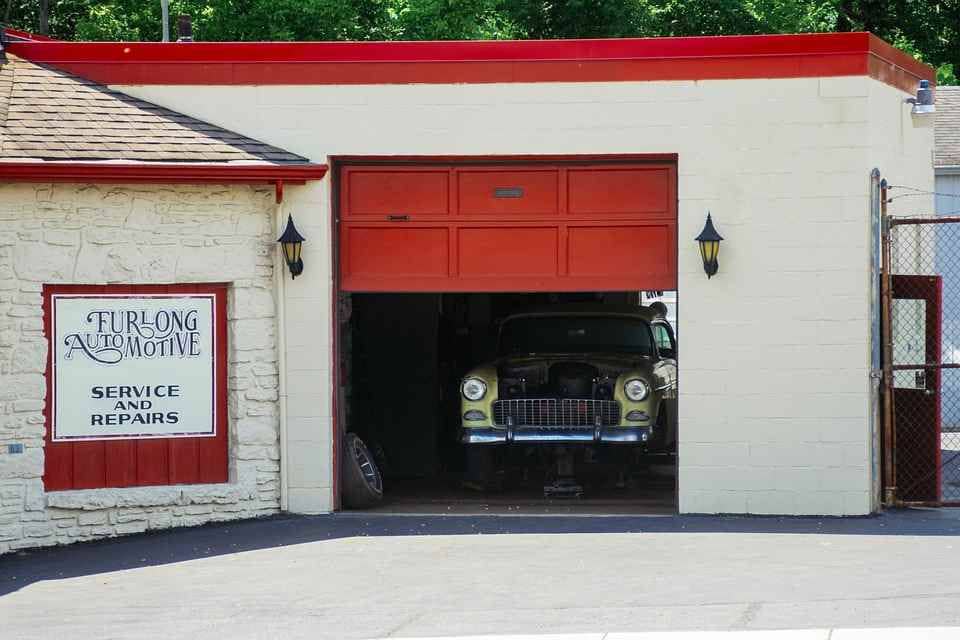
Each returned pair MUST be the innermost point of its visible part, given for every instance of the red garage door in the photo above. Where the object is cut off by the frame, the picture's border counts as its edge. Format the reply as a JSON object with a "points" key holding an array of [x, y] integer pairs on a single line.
{"points": [[562, 226]]}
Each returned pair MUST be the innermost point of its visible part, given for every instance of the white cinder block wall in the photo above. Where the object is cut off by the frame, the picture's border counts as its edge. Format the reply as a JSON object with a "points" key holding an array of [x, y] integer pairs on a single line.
{"points": [[774, 387], [103, 234]]}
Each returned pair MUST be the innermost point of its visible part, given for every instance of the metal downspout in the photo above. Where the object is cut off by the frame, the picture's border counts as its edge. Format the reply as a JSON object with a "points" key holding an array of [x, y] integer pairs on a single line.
{"points": [[280, 284]]}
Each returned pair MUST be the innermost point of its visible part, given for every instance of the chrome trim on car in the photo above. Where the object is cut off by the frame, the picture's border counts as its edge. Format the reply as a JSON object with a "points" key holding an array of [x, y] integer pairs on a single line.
{"points": [[511, 433], [556, 412]]}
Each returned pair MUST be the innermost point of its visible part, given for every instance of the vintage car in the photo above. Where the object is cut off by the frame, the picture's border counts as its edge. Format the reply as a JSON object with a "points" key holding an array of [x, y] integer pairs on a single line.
{"points": [[596, 374]]}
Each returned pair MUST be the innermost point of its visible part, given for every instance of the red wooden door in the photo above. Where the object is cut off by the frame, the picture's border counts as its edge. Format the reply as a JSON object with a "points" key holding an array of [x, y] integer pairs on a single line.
{"points": [[560, 226], [917, 356]]}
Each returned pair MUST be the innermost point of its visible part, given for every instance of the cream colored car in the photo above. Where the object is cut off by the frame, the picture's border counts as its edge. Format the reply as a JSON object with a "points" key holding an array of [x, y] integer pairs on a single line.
{"points": [[578, 374]]}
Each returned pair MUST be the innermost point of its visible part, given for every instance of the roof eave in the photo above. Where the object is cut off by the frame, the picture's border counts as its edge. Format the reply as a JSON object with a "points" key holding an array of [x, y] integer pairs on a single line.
{"points": [[159, 173], [492, 61], [21, 35]]}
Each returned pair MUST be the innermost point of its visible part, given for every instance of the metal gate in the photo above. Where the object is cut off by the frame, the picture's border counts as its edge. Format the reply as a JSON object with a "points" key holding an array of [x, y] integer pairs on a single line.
{"points": [[920, 302]]}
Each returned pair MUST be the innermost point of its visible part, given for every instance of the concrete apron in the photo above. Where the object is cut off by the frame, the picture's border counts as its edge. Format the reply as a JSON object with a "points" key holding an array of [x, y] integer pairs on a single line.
{"points": [[915, 633]]}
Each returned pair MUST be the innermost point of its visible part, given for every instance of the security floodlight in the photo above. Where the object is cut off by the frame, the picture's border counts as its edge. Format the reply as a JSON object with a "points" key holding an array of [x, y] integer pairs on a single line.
{"points": [[924, 102]]}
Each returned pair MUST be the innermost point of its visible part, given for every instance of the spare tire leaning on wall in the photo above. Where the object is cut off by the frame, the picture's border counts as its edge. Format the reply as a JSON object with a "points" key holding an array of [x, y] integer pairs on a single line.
{"points": [[362, 482]]}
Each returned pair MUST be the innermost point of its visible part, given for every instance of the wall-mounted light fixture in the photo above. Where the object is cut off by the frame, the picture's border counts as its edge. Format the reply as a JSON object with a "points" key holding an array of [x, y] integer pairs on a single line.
{"points": [[924, 102], [709, 241], [291, 242]]}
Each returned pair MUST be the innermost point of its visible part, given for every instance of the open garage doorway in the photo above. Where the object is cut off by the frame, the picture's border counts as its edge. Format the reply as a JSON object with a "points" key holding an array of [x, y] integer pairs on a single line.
{"points": [[568, 437], [506, 335]]}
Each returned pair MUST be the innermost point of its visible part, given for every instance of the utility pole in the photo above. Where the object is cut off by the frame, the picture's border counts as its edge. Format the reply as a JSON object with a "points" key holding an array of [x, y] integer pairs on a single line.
{"points": [[43, 26], [165, 12]]}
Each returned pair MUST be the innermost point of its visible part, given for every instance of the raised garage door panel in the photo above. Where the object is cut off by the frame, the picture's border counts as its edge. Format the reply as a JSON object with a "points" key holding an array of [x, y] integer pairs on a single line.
{"points": [[620, 191], [504, 252], [393, 253], [598, 251], [508, 193], [386, 192], [508, 227]]}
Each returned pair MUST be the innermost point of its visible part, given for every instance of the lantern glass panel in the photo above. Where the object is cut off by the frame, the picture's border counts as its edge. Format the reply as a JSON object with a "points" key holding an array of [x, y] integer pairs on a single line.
{"points": [[291, 251], [709, 250]]}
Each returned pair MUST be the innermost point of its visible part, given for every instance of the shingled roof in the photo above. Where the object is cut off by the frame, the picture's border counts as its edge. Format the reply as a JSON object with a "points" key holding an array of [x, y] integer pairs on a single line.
{"points": [[50, 115], [947, 128]]}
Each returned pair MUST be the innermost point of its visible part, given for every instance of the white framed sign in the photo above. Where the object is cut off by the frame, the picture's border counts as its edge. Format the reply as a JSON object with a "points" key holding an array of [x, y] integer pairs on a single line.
{"points": [[131, 366]]}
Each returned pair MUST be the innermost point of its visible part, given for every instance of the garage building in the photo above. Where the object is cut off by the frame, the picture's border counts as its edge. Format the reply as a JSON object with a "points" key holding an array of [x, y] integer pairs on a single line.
{"points": [[466, 180]]}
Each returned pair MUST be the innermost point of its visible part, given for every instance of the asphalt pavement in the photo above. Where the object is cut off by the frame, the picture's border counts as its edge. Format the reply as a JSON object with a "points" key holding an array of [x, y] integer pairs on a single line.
{"points": [[350, 576]]}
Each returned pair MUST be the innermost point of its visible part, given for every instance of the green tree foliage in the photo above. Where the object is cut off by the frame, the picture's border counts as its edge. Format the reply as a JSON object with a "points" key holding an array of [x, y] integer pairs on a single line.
{"points": [[930, 29]]}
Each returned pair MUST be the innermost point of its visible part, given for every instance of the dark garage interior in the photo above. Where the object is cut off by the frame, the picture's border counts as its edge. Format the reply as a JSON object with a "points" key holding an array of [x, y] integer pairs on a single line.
{"points": [[402, 359]]}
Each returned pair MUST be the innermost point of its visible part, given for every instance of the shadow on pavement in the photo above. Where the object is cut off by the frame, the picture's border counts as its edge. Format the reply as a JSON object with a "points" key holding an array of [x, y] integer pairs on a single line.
{"points": [[21, 569]]}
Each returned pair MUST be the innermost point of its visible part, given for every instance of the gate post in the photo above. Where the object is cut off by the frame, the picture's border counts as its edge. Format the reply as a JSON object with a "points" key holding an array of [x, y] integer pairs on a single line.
{"points": [[886, 329]]}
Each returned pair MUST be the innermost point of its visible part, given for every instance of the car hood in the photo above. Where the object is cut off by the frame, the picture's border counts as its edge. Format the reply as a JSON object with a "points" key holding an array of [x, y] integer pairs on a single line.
{"points": [[609, 363]]}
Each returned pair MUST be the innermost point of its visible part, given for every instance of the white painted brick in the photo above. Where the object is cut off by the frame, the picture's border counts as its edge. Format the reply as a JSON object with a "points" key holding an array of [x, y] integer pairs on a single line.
{"points": [[856, 454], [309, 500], [821, 503], [844, 479], [308, 429], [781, 163], [844, 87], [715, 454], [857, 503], [784, 454], [714, 501], [309, 464], [803, 405], [306, 355], [796, 479], [771, 502]]}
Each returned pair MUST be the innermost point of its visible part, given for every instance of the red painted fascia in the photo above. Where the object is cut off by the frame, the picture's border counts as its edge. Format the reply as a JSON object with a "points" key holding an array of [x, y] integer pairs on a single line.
{"points": [[526, 158], [623, 59], [454, 51], [116, 173], [26, 35]]}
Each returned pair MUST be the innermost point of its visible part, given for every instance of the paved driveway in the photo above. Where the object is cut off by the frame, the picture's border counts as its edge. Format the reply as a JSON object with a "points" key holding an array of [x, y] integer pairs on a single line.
{"points": [[355, 576]]}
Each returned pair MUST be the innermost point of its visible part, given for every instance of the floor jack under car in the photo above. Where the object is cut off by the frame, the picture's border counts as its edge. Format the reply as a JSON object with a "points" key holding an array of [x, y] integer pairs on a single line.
{"points": [[564, 484]]}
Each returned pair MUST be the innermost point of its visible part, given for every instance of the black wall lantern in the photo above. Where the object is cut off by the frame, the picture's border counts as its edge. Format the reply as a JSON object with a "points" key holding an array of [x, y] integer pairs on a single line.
{"points": [[291, 241], [709, 241]]}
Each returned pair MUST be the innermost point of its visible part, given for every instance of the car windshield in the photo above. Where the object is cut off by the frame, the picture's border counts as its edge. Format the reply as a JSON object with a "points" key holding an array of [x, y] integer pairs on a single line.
{"points": [[575, 334]]}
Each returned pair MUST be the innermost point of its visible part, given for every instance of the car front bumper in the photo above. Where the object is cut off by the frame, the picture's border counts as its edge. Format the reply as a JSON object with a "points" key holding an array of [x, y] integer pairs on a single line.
{"points": [[506, 435]]}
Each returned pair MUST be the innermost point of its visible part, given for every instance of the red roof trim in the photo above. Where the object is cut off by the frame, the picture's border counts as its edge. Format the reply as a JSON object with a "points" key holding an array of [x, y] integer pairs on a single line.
{"points": [[26, 35], [458, 51], [697, 58], [117, 173]]}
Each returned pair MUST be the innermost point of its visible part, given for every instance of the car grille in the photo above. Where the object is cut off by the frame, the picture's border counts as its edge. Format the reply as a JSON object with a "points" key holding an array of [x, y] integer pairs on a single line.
{"points": [[552, 412]]}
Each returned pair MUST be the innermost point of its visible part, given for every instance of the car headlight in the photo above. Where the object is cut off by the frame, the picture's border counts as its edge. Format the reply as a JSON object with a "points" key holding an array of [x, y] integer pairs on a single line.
{"points": [[473, 389], [636, 389]]}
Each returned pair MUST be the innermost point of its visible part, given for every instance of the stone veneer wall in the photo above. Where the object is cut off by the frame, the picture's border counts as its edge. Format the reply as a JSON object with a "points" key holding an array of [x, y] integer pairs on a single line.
{"points": [[101, 234]]}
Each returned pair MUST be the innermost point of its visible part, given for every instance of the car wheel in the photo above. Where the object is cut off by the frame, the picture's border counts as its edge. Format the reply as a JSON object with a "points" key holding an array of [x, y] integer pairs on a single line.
{"points": [[362, 482]]}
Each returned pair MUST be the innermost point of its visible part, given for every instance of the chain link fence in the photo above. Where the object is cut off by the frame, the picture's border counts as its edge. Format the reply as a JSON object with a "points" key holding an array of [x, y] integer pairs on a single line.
{"points": [[924, 321]]}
